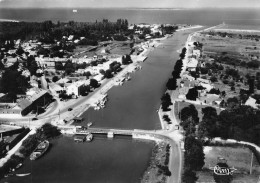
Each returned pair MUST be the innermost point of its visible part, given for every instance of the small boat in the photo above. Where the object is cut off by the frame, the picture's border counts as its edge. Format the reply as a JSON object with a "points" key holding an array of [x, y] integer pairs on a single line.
{"points": [[8, 175], [40, 150], [18, 166], [79, 138], [89, 137], [90, 124], [22, 174]]}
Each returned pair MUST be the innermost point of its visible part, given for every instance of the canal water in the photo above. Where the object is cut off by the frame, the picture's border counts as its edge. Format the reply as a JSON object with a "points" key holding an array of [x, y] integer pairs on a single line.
{"points": [[131, 106]]}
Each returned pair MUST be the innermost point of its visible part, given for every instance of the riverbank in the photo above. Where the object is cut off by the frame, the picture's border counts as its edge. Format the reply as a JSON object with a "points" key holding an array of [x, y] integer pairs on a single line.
{"points": [[158, 170], [82, 104]]}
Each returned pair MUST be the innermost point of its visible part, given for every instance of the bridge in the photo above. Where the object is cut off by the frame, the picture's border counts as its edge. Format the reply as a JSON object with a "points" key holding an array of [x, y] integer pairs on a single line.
{"points": [[78, 130]]}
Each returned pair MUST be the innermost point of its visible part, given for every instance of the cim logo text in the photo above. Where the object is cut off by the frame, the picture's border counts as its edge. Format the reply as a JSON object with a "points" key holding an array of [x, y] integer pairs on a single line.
{"points": [[222, 170]]}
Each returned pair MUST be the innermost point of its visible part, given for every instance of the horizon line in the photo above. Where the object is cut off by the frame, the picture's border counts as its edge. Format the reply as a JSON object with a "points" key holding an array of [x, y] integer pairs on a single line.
{"points": [[141, 8]]}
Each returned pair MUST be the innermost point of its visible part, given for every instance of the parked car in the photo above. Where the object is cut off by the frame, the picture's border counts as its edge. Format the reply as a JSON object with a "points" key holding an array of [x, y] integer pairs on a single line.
{"points": [[69, 109]]}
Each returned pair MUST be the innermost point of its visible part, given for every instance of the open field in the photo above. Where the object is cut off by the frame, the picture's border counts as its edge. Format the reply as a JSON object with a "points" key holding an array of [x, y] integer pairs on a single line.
{"points": [[241, 27], [240, 49], [238, 157]]}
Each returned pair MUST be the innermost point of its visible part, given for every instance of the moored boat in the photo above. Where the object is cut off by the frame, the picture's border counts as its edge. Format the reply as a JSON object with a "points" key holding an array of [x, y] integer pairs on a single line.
{"points": [[18, 166], [22, 174], [40, 150], [89, 137]]}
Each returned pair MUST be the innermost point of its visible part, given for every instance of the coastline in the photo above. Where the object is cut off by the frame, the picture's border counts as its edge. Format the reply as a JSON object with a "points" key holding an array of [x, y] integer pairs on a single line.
{"points": [[8, 20]]}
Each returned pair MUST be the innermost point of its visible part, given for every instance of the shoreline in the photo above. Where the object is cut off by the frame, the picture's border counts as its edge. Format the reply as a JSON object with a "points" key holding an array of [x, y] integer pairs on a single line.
{"points": [[8, 20]]}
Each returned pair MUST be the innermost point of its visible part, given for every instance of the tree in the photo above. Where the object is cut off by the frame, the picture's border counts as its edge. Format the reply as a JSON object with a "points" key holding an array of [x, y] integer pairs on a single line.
{"points": [[251, 83], [192, 94], [194, 155], [19, 51], [32, 65], [207, 127], [55, 79], [189, 111], [213, 79], [87, 74], [166, 101], [214, 91], [101, 71], [2, 66], [189, 125], [69, 67], [189, 176], [108, 74], [126, 59], [58, 66], [94, 83], [171, 84]]}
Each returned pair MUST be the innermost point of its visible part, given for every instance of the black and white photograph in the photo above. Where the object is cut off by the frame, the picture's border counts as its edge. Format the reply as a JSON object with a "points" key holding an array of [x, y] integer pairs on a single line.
{"points": [[129, 91]]}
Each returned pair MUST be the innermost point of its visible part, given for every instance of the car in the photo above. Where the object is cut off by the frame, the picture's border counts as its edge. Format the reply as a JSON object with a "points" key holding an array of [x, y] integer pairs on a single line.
{"points": [[34, 119], [69, 109]]}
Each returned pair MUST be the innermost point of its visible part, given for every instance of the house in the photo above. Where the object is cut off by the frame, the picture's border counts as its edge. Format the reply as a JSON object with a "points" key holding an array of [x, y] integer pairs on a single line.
{"points": [[70, 38], [210, 99], [98, 77], [55, 88], [188, 77], [10, 108], [251, 102], [40, 98], [196, 53], [62, 81], [192, 64], [207, 86], [201, 80], [183, 92], [74, 88]]}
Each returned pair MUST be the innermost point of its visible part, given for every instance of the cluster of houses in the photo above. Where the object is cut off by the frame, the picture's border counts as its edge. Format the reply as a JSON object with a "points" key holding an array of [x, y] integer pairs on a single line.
{"points": [[204, 85], [187, 81]]}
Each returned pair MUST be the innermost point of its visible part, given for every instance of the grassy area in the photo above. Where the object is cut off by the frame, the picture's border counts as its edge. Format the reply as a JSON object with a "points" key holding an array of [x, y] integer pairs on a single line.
{"points": [[238, 48], [238, 157], [241, 27]]}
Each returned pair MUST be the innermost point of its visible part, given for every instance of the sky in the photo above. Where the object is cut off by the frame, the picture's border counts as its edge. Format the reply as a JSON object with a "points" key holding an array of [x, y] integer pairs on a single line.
{"points": [[129, 3]]}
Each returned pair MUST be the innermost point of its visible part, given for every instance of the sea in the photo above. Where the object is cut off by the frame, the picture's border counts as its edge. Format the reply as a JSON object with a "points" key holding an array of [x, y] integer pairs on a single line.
{"points": [[208, 16]]}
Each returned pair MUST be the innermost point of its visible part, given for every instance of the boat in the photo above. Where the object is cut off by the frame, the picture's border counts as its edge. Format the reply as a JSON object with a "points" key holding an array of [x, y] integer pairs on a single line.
{"points": [[79, 138], [40, 150], [18, 166], [22, 174], [89, 137], [90, 124], [8, 175]]}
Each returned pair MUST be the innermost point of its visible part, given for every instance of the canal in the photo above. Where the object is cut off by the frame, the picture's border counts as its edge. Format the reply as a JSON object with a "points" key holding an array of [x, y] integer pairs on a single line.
{"points": [[131, 106]]}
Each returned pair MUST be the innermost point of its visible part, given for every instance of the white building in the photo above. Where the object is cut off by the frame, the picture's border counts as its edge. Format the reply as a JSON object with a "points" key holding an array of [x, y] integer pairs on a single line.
{"points": [[73, 88]]}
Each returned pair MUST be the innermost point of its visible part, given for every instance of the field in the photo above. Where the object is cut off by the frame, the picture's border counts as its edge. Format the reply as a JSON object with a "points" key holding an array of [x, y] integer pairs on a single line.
{"points": [[240, 158], [241, 27], [241, 49]]}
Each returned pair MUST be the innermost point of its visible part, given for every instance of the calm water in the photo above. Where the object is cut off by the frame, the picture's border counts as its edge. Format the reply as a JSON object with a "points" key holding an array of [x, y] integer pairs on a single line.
{"points": [[101, 161], [191, 16], [132, 105]]}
